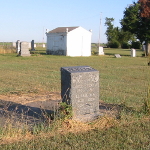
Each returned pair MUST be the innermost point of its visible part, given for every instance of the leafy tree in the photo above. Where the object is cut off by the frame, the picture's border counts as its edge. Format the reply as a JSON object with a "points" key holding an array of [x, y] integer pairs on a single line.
{"points": [[116, 36], [134, 23], [145, 8], [111, 32]]}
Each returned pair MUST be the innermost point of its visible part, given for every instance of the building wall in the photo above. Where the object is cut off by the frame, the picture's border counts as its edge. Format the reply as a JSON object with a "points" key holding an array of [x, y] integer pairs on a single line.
{"points": [[74, 43], [56, 43], [79, 42]]}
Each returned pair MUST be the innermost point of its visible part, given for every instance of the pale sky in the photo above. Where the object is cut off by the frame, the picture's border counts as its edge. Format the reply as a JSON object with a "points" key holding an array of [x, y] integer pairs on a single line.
{"points": [[27, 20]]}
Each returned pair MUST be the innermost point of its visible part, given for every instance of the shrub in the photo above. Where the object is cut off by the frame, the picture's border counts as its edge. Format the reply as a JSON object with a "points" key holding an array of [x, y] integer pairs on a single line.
{"points": [[136, 45], [125, 45], [114, 44]]}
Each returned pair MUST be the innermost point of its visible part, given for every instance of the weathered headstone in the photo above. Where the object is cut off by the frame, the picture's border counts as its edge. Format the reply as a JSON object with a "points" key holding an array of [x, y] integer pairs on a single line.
{"points": [[133, 52], [80, 88], [117, 56], [32, 45], [18, 46], [144, 47], [101, 52], [25, 49]]}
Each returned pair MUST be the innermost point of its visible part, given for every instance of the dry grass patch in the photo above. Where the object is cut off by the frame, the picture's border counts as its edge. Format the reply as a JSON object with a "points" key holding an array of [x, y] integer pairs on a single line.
{"points": [[22, 98], [80, 127], [7, 50]]}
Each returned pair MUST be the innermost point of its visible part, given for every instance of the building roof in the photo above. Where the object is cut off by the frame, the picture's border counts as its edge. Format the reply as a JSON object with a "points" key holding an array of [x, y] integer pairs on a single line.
{"points": [[62, 29]]}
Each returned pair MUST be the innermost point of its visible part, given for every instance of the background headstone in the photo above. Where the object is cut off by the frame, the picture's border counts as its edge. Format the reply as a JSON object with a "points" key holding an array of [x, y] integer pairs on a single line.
{"points": [[32, 45], [18, 46], [25, 49], [80, 88], [117, 56], [100, 50], [144, 47], [133, 52]]}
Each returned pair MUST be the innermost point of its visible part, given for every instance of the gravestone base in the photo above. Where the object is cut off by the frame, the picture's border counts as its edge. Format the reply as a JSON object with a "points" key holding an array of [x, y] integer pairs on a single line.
{"points": [[86, 118], [80, 89], [25, 55]]}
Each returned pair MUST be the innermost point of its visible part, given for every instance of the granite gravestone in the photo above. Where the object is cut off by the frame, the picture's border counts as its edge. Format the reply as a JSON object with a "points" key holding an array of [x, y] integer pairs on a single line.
{"points": [[32, 45], [80, 88], [18, 46], [25, 49]]}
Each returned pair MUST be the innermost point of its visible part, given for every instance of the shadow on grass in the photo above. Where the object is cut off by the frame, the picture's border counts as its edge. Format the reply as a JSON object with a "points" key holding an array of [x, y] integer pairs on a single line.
{"points": [[38, 52], [32, 113], [115, 110], [44, 111]]}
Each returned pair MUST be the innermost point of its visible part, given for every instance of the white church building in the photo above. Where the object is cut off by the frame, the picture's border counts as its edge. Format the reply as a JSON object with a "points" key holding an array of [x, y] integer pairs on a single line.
{"points": [[69, 41]]}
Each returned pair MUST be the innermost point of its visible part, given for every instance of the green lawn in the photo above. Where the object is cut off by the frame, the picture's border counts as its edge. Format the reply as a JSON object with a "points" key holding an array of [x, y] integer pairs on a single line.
{"points": [[122, 81]]}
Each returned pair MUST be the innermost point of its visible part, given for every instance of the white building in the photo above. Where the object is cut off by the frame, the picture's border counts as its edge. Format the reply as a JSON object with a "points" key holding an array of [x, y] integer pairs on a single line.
{"points": [[69, 41]]}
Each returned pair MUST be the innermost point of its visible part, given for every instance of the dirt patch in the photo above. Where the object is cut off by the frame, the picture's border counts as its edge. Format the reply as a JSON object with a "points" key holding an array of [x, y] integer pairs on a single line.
{"points": [[33, 108], [30, 109], [31, 97]]}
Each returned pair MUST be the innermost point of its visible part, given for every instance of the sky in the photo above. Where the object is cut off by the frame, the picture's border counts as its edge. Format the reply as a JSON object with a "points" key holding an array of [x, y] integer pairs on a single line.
{"points": [[27, 20]]}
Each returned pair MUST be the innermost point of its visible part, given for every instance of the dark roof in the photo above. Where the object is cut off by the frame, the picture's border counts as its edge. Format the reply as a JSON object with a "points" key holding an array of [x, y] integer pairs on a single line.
{"points": [[62, 29]]}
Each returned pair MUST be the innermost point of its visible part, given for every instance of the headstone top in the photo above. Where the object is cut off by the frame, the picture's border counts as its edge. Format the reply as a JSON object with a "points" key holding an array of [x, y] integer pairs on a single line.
{"points": [[78, 69]]}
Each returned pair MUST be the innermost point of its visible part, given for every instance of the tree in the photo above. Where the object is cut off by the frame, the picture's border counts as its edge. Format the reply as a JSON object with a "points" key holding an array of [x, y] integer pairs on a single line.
{"points": [[134, 23], [145, 8], [145, 12], [110, 32], [116, 36]]}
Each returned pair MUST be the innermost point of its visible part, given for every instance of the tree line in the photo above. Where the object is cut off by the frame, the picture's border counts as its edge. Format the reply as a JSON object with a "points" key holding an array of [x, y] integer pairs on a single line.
{"points": [[135, 27]]}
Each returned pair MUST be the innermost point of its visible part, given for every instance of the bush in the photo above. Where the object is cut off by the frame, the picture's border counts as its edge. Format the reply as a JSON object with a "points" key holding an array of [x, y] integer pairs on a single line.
{"points": [[125, 46], [114, 44], [136, 45]]}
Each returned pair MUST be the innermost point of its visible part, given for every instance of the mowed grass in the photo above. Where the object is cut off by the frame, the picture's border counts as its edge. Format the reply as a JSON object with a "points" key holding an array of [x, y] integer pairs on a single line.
{"points": [[123, 81]]}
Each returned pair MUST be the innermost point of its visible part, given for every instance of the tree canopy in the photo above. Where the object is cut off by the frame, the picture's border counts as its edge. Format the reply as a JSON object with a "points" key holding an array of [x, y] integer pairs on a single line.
{"points": [[136, 24], [145, 8], [116, 36]]}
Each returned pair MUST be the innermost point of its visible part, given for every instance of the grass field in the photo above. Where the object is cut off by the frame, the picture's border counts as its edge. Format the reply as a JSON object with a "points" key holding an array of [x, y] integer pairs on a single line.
{"points": [[123, 81]]}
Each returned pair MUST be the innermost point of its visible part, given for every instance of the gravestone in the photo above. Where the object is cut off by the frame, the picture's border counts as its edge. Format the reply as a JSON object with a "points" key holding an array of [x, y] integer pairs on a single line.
{"points": [[117, 56], [29, 45], [133, 52], [80, 88], [18, 46], [14, 44], [100, 50], [144, 47], [25, 49], [32, 45]]}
